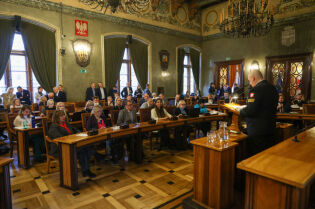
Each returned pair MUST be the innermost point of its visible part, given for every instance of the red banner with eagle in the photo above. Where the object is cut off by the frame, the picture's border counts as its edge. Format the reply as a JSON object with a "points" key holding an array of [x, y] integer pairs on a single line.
{"points": [[81, 28]]}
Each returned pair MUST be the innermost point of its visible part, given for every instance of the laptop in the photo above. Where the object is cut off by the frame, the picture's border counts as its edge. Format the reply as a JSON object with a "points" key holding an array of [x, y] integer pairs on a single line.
{"points": [[194, 112]]}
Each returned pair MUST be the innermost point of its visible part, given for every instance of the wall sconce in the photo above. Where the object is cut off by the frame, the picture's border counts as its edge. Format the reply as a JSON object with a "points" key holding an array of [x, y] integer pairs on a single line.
{"points": [[254, 65], [165, 73], [82, 51]]}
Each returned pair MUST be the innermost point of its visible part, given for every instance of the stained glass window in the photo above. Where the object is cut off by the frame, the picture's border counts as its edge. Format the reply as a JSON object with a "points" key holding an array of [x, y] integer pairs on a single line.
{"points": [[296, 72], [277, 70], [223, 75]]}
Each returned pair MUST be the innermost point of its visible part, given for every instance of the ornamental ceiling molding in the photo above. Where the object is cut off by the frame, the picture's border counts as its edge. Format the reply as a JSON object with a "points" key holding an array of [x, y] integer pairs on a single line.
{"points": [[52, 6], [278, 23]]}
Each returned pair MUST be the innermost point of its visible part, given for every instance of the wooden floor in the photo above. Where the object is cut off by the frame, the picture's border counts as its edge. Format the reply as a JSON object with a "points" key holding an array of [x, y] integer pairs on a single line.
{"points": [[164, 176]]}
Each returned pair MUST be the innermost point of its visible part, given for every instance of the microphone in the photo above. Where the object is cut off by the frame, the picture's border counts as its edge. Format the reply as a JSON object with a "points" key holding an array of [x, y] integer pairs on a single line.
{"points": [[295, 139]]}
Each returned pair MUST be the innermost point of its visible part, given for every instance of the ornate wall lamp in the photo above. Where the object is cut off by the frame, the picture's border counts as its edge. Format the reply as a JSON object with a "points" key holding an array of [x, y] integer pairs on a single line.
{"points": [[82, 51], [254, 65]]}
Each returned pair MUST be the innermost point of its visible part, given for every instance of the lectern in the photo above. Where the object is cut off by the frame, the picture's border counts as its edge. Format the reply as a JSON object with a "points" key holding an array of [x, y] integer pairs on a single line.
{"points": [[232, 107]]}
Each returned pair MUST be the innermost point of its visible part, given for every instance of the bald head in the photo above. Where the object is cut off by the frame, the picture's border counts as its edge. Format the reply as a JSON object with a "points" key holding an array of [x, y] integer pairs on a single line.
{"points": [[254, 77]]}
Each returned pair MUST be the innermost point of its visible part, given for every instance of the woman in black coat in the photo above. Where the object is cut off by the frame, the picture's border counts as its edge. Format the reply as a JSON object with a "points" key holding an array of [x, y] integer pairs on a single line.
{"points": [[59, 128]]}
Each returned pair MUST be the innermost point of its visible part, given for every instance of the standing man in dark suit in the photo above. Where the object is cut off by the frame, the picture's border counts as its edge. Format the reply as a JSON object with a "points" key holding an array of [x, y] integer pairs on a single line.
{"points": [[56, 95], [90, 92], [61, 94], [260, 113], [112, 91], [101, 91], [126, 91], [23, 95], [147, 90]]}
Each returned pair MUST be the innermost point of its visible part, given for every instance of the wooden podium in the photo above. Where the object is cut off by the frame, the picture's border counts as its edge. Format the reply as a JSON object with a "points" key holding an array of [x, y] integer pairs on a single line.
{"points": [[231, 107], [214, 168]]}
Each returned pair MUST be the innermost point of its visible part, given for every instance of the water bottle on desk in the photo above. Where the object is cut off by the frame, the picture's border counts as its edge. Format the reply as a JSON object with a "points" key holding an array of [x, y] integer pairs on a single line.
{"points": [[25, 125], [33, 121]]}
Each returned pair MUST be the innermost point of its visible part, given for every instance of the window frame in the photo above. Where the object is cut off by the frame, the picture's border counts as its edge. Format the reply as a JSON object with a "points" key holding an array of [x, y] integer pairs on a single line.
{"points": [[189, 75]]}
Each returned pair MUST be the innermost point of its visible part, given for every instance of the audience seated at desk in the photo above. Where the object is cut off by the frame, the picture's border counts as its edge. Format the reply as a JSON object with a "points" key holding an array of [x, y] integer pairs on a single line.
{"points": [[59, 128], [144, 99], [175, 102], [16, 104], [88, 107], [24, 120], [211, 99], [60, 106], [283, 105], [159, 113], [299, 100], [147, 104], [109, 101], [118, 104], [164, 100]]}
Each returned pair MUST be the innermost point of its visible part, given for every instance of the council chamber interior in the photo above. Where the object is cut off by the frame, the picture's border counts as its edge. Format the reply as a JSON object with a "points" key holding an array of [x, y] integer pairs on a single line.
{"points": [[157, 104]]}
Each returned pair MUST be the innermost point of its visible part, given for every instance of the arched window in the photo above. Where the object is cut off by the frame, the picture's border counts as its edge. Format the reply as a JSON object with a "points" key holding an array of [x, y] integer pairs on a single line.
{"points": [[18, 72], [127, 73], [188, 78]]}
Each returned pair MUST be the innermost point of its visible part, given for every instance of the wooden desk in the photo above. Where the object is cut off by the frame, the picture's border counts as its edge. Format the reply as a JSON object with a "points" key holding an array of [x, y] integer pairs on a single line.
{"points": [[5, 187], [280, 176], [68, 145], [295, 116], [214, 170]]}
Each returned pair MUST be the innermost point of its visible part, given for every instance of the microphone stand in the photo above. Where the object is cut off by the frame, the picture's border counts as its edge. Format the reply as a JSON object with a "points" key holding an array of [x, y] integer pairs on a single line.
{"points": [[295, 139]]}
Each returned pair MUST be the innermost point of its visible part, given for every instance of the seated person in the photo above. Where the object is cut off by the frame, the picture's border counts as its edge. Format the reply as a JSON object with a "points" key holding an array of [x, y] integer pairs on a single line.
{"points": [[96, 101], [159, 113], [211, 99], [195, 99], [283, 106], [299, 100], [175, 102], [61, 106], [88, 107], [42, 101], [118, 104], [50, 106], [187, 95], [164, 100], [144, 99], [154, 96], [204, 126], [148, 104], [25, 119], [59, 128], [116, 96], [16, 104], [110, 101], [181, 110], [127, 115], [129, 98], [51, 95], [227, 97]]}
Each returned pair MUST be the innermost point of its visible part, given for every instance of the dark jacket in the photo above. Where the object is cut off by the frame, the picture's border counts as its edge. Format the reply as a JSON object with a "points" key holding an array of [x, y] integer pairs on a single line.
{"points": [[93, 124], [138, 93], [56, 131], [99, 94], [89, 94], [24, 96], [178, 112], [118, 107], [124, 92], [111, 92], [147, 91], [211, 90], [286, 107], [62, 96], [299, 102], [261, 109]]}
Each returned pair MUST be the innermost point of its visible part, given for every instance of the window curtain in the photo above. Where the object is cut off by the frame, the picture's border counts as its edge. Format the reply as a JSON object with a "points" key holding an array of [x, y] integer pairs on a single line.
{"points": [[114, 52], [232, 74], [7, 29], [139, 59], [40, 48], [195, 62], [180, 70]]}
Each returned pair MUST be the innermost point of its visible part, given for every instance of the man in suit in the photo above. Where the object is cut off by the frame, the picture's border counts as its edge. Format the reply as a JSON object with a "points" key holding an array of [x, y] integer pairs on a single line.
{"points": [[101, 91], [260, 113], [112, 91], [147, 90], [23, 95], [90, 92], [283, 105], [164, 100], [127, 115], [175, 102], [61, 94], [126, 91], [56, 96]]}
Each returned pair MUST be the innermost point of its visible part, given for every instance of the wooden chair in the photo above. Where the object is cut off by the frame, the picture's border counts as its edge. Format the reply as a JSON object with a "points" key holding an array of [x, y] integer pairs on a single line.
{"points": [[15, 110], [308, 109], [79, 105], [11, 132], [48, 156], [170, 109], [145, 114], [84, 119], [103, 103], [35, 107], [70, 107], [114, 116]]}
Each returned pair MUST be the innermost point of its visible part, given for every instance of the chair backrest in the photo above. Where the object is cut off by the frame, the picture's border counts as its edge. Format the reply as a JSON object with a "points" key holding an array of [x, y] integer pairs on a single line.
{"points": [[114, 116], [145, 114], [170, 109], [79, 105], [308, 109], [45, 127], [49, 114], [47, 141], [103, 103], [84, 119], [15, 110], [70, 107], [10, 119], [3, 116], [35, 107]]}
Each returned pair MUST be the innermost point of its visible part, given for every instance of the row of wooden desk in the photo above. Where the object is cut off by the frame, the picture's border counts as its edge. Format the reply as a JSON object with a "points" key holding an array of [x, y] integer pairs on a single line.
{"points": [[5, 187], [68, 145]]}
